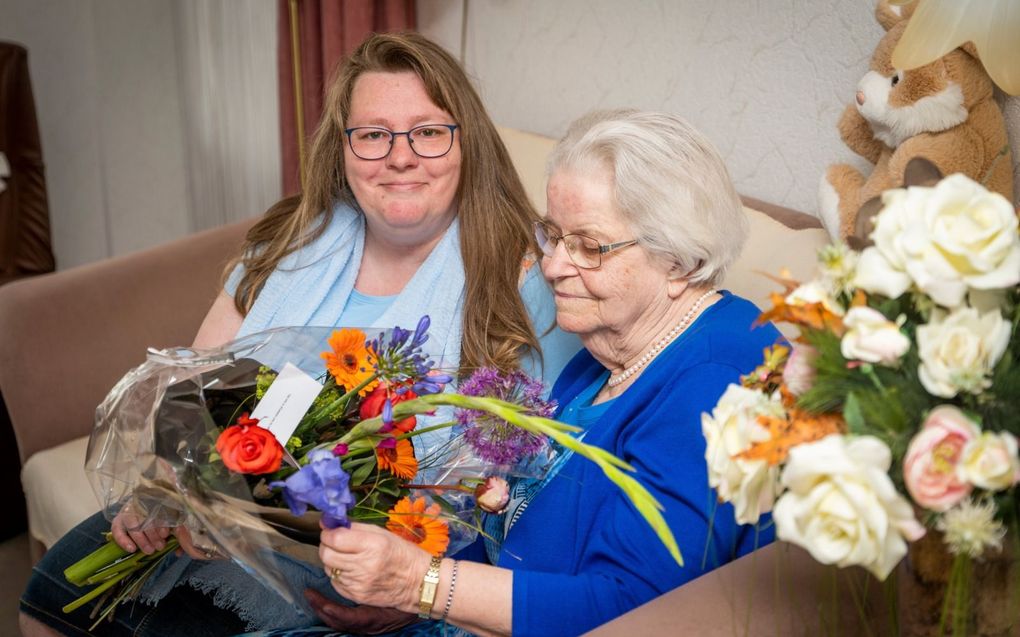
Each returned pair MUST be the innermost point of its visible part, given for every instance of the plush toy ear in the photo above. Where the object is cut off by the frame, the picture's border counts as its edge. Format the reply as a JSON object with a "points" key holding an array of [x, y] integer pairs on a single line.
{"points": [[889, 13], [921, 172]]}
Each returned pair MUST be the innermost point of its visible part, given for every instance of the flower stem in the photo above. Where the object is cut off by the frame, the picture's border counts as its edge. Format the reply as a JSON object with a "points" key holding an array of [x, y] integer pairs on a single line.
{"points": [[441, 487]]}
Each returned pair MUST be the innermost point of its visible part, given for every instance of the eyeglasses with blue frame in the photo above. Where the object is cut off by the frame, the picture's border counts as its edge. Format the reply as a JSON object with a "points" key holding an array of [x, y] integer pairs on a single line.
{"points": [[375, 142]]}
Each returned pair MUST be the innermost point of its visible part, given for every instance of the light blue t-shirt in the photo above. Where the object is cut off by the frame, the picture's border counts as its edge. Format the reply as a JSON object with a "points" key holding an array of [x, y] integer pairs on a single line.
{"points": [[363, 310]]}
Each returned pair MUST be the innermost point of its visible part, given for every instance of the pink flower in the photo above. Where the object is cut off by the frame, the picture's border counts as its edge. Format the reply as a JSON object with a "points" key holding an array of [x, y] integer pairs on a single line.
{"points": [[799, 372], [493, 494], [930, 465]]}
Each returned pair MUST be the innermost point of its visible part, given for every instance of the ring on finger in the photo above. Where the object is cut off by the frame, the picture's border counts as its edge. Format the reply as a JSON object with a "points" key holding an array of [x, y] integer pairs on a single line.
{"points": [[334, 574]]}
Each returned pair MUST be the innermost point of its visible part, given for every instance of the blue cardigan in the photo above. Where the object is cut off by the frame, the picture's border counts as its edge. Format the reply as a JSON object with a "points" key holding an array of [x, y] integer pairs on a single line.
{"points": [[581, 553]]}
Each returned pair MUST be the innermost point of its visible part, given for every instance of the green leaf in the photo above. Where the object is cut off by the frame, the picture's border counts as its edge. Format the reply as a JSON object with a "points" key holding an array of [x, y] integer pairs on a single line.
{"points": [[361, 473], [853, 416], [613, 468], [389, 487]]}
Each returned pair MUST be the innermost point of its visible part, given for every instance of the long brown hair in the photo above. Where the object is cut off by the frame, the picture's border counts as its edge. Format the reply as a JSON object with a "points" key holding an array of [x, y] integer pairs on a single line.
{"points": [[494, 212]]}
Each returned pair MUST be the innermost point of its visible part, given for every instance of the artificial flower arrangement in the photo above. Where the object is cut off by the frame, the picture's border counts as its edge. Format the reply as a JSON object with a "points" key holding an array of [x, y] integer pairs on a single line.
{"points": [[237, 443], [896, 410]]}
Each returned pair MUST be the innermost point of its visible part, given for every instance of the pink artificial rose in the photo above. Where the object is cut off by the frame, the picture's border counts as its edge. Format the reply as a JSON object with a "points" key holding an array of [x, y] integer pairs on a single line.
{"points": [[930, 466], [493, 495], [799, 372]]}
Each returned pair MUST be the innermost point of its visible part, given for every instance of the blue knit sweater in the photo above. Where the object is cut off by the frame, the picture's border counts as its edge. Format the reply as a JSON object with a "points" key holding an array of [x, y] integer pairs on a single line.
{"points": [[581, 553]]}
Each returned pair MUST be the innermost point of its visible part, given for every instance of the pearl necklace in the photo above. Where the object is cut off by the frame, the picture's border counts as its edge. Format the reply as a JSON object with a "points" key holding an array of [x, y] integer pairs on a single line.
{"points": [[662, 343]]}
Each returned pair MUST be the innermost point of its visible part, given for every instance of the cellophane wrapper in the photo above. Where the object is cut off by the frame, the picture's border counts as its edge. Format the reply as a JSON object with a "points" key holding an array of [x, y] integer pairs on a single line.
{"points": [[150, 448]]}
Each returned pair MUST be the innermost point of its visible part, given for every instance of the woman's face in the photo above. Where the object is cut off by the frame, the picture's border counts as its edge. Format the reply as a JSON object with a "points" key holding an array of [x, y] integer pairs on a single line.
{"points": [[613, 298], [407, 199]]}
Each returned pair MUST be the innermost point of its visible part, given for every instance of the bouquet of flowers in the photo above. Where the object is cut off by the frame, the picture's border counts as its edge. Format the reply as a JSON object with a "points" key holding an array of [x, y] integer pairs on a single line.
{"points": [[237, 443], [896, 410]]}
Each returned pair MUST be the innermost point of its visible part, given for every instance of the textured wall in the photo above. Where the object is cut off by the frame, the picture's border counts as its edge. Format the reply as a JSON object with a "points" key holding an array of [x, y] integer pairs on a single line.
{"points": [[765, 80]]}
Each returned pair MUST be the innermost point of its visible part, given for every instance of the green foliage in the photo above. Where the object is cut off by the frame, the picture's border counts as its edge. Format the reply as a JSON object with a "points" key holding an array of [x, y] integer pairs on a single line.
{"points": [[263, 380]]}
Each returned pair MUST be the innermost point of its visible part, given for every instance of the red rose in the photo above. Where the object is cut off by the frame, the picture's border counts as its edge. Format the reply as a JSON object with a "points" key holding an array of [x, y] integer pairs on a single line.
{"points": [[372, 406], [248, 448]]}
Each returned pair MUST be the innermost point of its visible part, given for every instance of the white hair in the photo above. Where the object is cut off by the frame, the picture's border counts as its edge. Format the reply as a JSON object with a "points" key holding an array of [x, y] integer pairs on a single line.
{"points": [[670, 186]]}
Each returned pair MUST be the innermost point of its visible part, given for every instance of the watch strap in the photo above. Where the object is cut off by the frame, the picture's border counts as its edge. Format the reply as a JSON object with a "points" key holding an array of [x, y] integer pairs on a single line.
{"points": [[428, 588]]}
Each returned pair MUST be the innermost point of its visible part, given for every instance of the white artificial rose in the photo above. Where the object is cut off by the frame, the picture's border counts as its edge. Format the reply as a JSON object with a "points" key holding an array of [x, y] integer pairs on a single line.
{"points": [[842, 507], [990, 461], [882, 268], [959, 349], [974, 231], [750, 484], [942, 241], [872, 338]]}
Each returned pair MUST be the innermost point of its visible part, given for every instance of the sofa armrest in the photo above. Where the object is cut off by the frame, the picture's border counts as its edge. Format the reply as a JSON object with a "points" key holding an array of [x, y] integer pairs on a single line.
{"points": [[66, 338], [777, 590]]}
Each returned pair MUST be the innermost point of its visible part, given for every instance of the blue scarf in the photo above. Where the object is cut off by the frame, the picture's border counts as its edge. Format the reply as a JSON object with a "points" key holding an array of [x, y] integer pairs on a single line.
{"points": [[311, 286]]}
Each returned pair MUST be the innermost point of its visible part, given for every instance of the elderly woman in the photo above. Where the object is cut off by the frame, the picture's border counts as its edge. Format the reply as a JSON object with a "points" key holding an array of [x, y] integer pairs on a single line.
{"points": [[411, 206], [642, 223]]}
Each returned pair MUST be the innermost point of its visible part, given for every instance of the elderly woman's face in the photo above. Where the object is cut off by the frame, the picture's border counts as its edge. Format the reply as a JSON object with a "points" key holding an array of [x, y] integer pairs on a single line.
{"points": [[408, 198], [629, 282]]}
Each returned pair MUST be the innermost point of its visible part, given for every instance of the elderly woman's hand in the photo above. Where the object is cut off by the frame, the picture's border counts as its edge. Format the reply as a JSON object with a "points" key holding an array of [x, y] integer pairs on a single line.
{"points": [[369, 565], [361, 620]]}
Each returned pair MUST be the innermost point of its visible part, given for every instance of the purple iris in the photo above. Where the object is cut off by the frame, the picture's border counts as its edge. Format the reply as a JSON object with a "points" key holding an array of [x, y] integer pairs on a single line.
{"points": [[323, 484]]}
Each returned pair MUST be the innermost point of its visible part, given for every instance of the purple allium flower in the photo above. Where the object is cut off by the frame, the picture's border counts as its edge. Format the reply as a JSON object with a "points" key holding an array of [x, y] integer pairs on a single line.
{"points": [[321, 483], [494, 439]]}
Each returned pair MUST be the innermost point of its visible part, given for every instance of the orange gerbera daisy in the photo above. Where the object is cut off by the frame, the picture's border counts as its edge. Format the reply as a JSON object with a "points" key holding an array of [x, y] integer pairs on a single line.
{"points": [[351, 362], [413, 521], [397, 458]]}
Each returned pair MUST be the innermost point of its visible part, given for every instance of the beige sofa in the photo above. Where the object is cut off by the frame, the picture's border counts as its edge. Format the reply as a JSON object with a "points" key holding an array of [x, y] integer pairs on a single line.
{"points": [[65, 338]]}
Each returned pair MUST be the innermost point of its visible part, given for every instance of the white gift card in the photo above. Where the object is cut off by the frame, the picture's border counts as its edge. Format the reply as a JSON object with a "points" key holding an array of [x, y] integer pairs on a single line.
{"points": [[286, 402]]}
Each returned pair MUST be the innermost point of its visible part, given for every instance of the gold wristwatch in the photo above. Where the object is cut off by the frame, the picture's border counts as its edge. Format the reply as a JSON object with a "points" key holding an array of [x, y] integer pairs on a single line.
{"points": [[428, 588]]}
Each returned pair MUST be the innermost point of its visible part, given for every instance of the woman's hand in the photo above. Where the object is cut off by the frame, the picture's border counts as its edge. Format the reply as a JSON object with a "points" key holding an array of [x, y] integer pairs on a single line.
{"points": [[371, 566], [361, 620], [129, 537]]}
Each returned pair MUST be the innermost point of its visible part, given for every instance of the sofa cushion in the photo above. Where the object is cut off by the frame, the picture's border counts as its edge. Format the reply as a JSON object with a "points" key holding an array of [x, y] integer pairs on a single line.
{"points": [[529, 153], [58, 494]]}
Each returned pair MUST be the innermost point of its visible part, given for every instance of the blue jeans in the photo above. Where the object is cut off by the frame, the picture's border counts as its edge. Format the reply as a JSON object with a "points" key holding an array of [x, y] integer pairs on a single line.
{"points": [[184, 612]]}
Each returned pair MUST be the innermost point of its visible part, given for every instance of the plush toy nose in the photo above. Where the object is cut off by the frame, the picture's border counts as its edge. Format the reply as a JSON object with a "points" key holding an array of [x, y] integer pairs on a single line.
{"points": [[860, 98]]}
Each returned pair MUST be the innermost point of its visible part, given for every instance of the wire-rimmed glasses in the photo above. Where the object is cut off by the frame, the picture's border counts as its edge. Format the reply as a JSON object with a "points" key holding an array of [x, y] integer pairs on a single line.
{"points": [[584, 251], [375, 142]]}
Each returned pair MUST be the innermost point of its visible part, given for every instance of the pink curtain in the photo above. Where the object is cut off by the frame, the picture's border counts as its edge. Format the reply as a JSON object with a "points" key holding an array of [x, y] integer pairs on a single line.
{"points": [[327, 31]]}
